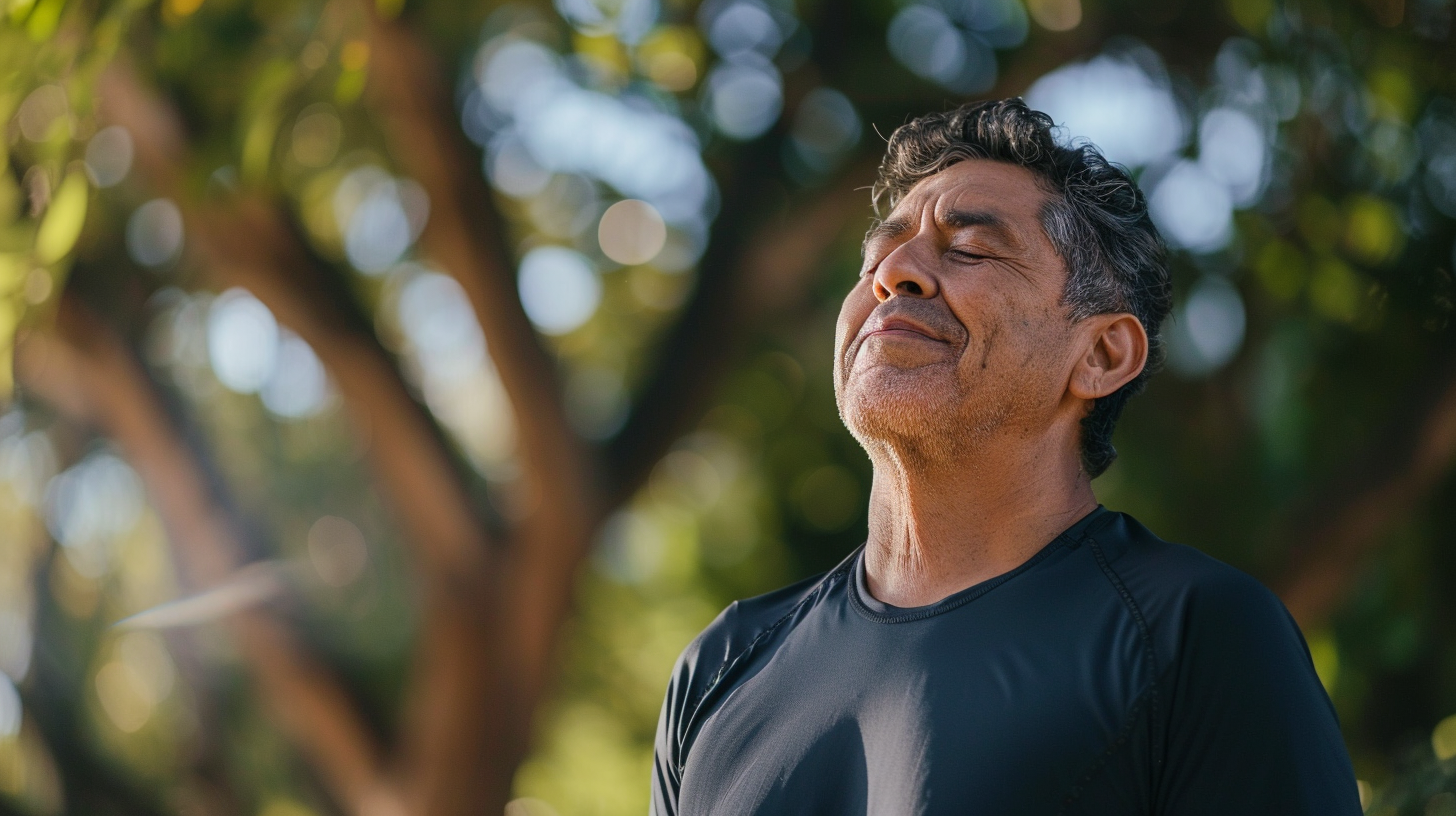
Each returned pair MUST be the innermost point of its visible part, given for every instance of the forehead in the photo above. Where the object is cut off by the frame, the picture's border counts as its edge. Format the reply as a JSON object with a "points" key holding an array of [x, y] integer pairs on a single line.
{"points": [[1009, 190]]}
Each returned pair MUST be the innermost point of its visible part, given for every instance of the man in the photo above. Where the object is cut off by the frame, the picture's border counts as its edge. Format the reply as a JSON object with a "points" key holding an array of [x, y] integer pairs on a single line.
{"points": [[1001, 644]]}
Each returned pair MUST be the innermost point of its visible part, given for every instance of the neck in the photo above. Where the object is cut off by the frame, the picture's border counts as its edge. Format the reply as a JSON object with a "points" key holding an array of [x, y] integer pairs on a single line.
{"points": [[940, 524]]}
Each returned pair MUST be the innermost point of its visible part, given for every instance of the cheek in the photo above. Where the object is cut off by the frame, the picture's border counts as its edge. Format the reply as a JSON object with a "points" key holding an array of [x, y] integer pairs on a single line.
{"points": [[858, 305], [1015, 339]]}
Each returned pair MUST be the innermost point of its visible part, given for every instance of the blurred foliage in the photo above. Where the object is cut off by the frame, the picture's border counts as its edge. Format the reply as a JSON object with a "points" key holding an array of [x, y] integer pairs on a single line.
{"points": [[1311, 306]]}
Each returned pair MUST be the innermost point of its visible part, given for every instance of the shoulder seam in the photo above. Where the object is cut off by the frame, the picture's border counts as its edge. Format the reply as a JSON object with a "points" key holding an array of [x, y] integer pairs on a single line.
{"points": [[1148, 701], [731, 661], [1134, 715], [1131, 603]]}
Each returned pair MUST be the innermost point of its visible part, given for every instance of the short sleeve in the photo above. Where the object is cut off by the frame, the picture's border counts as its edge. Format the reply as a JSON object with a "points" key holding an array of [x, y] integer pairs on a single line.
{"points": [[1249, 728], [696, 666], [667, 747]]}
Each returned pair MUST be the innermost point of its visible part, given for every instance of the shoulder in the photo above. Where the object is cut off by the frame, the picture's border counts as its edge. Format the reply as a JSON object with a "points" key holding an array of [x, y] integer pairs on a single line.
{"points": [[703, 664], [1187, 599], [1237, 694], [738, 627]]}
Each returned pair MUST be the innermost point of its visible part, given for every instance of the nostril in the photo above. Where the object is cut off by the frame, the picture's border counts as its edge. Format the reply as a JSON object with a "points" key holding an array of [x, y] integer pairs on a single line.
{"points": [[910, 288]]}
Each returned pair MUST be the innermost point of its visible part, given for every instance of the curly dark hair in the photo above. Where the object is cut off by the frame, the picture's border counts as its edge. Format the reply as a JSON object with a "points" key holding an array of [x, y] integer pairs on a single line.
{"points": [[1096, 218]]}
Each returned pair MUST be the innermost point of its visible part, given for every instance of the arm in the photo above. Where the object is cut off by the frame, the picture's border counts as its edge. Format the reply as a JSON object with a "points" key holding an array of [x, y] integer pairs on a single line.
{"points": [[666, 758], [1250, 729]]}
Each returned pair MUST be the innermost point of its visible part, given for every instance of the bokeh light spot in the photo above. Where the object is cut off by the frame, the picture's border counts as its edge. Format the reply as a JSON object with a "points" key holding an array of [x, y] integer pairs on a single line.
{"points": [[16, 640], [138, 677], [45, 111], [242, 341], [512, 169], [1209, 328], [316, 136], [154, 232], [380, 217], [88, 506], [437, 318], [109, 155], [673, 70], [1233, 149], [955, 53], [1192, 209], [927, 42], [630, 547], [1056, 15], [826, 127], [559, 289], [1335, 290], [1115, 103], [744, 98], [628, 20], [670, 57], [515, 72], [631, 232], [337, 550], [743, 27], [1373, 231], [298, 386], [1443, 738]]}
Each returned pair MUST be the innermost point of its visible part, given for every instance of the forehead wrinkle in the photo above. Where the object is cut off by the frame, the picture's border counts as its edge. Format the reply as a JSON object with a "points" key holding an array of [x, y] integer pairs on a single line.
{"points": [[987, 202]]}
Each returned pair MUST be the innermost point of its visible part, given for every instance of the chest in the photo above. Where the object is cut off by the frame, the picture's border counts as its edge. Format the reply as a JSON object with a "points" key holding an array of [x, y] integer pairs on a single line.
{"points": [[956, 714]]}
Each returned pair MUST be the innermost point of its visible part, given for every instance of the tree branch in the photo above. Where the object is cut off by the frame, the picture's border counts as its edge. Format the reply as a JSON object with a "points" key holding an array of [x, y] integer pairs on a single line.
{"points": [[411, 99], [466, 724], [247, 242], [84, 370], [250, 244], [1343, 525]]}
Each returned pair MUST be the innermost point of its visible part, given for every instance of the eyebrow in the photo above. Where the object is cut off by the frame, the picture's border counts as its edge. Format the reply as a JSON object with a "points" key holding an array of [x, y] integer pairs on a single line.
{"points": [[954, 219], [887, 229], [961, 219]]}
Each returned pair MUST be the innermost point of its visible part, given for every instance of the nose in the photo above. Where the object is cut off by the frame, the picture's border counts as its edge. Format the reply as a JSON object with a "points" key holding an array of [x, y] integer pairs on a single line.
{"points": [[905, 273]]}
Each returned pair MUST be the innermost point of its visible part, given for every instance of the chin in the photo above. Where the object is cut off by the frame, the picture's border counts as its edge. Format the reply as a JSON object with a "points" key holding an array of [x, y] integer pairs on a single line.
{"points": [[894, 405]]}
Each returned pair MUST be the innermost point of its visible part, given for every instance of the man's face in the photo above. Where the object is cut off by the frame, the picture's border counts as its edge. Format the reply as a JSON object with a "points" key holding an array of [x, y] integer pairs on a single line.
{"points": [[956, 329]]}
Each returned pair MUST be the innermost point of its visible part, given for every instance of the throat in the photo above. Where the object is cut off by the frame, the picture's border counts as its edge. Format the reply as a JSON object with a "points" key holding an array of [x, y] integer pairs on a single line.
{"points": [[933, 534]]}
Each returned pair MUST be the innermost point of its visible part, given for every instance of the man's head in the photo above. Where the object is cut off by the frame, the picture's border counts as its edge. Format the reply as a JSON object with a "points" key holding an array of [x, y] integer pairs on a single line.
{"points": [[1014, 287]]}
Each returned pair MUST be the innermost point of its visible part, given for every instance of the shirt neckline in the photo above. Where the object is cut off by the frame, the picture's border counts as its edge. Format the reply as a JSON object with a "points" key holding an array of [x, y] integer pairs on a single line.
{"points": [[881, 612]]}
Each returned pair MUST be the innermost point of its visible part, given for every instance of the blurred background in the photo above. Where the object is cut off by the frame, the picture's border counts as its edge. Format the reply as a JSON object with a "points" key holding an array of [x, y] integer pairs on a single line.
{"points": [[392, 389]]}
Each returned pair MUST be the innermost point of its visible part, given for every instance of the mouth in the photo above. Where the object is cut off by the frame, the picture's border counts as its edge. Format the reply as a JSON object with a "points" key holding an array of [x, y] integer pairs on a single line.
{"points": [[898, 332], [896, 337], [897, 327]]}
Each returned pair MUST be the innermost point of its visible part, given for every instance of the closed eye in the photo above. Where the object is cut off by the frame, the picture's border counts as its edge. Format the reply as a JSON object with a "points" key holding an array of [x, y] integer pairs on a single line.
{"points": [[967, 255]]}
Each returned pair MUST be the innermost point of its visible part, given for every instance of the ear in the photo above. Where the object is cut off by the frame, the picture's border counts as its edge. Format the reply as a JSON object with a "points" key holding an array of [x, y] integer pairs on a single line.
{"points": [[1116, 351]]}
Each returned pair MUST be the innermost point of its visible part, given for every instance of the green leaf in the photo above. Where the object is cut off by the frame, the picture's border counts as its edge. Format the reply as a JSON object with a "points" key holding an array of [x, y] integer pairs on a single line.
{"points": [[63, 221]]}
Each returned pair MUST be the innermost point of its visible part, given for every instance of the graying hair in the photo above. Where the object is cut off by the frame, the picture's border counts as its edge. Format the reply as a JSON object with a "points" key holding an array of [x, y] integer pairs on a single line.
{"points": [[1096, 218]]}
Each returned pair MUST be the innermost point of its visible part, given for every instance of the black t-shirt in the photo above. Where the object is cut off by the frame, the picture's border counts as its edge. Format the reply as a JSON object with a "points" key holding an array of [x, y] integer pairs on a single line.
{"points": [[1113, 673]]}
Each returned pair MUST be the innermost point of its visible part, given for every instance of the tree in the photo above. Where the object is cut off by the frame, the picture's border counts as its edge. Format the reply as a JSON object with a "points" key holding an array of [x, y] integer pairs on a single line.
{"points": [[320, 164]]}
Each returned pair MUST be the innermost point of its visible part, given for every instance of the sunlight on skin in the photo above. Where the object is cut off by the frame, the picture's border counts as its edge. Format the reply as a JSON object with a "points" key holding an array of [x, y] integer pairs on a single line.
{"points": [[960, 372]]}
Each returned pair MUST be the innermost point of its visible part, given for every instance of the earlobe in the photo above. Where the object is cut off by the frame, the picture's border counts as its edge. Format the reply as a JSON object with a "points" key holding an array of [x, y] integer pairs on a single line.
{"points": [[1116, 354]]}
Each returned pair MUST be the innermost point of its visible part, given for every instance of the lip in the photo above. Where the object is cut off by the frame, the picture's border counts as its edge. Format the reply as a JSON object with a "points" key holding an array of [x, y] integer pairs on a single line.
{"points": [[901, 326]]}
